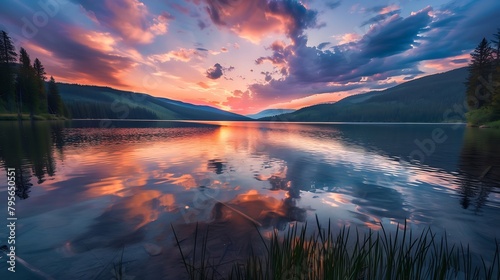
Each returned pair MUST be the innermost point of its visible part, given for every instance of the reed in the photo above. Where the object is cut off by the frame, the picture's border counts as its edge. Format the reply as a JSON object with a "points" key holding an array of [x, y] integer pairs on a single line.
{"points": [[348, 254]]}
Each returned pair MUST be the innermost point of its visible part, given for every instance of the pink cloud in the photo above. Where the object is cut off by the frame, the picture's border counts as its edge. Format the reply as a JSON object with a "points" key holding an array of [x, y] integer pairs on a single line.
{"points": [[182, 54], [253, 19], [128, 18]]}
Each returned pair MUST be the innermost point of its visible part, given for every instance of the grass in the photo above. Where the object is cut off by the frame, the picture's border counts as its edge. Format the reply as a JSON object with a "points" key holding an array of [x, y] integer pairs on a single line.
{"points": [[484, 116], [347, 255], [495, 124], [40, 117]]}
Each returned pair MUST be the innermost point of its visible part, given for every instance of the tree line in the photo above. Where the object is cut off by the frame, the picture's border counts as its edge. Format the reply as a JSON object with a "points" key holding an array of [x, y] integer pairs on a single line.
{"points": [[483, 83], [23, 85]]}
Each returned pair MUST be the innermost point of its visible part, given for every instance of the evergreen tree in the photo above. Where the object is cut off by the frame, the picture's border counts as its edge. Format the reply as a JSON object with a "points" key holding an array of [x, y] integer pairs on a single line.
{"points": [[40, 84], [480, 69], [8, 56], [26, 84], [55, 104], [496, 46], [496, 73]]}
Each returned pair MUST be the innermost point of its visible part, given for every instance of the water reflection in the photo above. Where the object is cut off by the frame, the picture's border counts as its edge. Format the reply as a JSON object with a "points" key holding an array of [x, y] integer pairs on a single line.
{"points": [[105, 188], [29, 149], [216, 165], [480, 165]]}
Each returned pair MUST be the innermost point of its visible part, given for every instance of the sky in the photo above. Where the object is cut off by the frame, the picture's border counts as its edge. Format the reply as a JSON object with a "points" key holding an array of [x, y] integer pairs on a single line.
{"points": [[245, 56]]}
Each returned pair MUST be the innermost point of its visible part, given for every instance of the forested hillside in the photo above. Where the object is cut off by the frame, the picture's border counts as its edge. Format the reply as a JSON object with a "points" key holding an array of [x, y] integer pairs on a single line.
{"points": [[95, 102], [421, 100]]}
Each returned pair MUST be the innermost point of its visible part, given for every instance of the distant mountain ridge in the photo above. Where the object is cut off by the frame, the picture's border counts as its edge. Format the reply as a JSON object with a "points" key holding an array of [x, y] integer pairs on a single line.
{"points": [[270, 113], [421, 100], [97, 102]]}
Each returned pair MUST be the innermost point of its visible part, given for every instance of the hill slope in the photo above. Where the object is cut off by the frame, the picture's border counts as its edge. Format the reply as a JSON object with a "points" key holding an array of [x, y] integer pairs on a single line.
{"points": [[270, 113], [103, 102], [422, 100]]}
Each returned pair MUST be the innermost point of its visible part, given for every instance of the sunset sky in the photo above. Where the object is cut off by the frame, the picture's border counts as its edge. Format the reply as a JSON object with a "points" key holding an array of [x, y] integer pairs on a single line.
{"points": [[245, 56]]}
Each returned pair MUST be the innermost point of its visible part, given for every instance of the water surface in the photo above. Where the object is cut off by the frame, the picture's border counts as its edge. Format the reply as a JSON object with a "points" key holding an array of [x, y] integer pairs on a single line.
{"points": [[88, 190]]}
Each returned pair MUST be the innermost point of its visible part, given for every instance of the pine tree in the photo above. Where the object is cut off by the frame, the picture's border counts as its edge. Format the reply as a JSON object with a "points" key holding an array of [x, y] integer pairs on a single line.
{"points": [[480, 69], [8, 56], [40, 85], [496, 46], [496, 73], [55, 104], [26, 84]]}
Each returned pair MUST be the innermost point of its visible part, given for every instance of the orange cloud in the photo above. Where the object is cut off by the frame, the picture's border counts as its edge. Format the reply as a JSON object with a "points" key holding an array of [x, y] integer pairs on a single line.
{"points": [[203, 85], [182, 55], [448, 63]]}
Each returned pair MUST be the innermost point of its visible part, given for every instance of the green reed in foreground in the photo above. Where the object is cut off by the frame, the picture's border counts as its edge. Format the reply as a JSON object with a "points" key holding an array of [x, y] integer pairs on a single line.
{"points": [[347, 255]]}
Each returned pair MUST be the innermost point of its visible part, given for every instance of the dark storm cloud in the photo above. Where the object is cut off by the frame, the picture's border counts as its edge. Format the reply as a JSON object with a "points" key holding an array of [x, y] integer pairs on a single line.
{"points": [[302, 18], [251, 18], [267, 76], [323, 45], [380, 17], [457, 30], [459, 61], [395, 36], [377, 55], [215, 72]]}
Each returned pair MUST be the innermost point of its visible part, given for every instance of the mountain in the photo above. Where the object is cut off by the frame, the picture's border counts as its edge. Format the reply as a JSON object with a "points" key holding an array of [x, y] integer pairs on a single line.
{"points": [[97, 102], [421, 100], [270, 113]]}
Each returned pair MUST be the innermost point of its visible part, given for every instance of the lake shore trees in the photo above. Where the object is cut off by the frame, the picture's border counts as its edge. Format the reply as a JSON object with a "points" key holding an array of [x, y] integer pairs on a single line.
{"points": [[483, 84], [23, 86]]}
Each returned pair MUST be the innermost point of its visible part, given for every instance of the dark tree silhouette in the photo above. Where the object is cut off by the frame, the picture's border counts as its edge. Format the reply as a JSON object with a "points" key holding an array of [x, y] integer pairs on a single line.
{"points": [[55, 104], [496, 75], [40, 85], [480, 68], [26, 83], [8, 57], [496, 46]]}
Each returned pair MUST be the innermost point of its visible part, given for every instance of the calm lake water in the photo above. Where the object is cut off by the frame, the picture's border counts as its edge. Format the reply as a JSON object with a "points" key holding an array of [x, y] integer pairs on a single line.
{"points": [[90, 190]]}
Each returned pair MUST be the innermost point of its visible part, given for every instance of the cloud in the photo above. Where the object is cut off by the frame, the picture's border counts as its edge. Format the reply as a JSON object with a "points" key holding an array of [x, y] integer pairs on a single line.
{"points": [[202, 25], [459, 61], [215, 72], [203, 85], [128, 18], [239, 100], [380, 17], [348, 38], [395, 35], [333, 4], [323, 45], [267, 76], [81, 58], [181, 54], [253, 19], [392, 50], [377, 55], [456, 30]]}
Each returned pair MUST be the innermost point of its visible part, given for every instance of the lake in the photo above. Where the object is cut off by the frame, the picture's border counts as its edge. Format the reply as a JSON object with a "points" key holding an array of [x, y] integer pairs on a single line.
{"points": [[90, 192]]}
